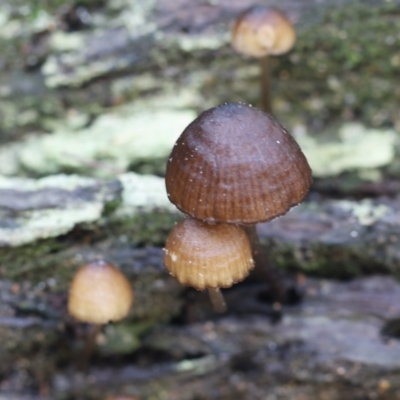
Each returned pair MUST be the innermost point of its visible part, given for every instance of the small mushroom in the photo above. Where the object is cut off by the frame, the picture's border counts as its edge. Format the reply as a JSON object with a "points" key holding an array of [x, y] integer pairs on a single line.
{"points": [[259, 32], [99, 293], [208, 256]]}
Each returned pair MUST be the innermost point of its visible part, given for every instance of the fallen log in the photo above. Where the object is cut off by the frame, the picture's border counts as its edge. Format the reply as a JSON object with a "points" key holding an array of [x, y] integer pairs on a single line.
{"points": [[341, 340]]}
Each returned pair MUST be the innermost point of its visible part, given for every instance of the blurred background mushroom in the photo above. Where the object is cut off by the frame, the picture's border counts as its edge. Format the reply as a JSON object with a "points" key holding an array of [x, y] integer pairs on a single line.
{"points": [[99, 293], [260, 32]]}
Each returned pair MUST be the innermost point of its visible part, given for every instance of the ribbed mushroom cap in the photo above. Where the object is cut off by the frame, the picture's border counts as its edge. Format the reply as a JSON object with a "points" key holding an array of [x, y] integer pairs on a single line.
{"points": [[207, 256], [261, 31], [99, 293], [236, 164]]}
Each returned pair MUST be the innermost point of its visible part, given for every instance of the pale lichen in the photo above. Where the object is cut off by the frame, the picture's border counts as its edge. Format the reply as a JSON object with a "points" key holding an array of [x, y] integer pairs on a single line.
{"points": [[142, 193], [357, 148], [84, 201], [108, 147], [365, 211], [28, 224]]}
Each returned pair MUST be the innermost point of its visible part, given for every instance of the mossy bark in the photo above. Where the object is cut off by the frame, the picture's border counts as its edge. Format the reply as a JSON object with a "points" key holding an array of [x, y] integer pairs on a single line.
{"points": [[344, 64], [58, 78]]}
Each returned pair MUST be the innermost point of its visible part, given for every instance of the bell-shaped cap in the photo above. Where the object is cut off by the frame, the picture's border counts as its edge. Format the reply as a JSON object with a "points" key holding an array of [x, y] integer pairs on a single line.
{"points": [[261, 31], [236, 164], [99, 293], [207, 256]]}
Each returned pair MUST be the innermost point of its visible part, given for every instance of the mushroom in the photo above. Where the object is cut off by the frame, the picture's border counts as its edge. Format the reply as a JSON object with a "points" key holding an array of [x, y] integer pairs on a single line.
{"points": [[235, 164], [240, 164], [99, 293], [208, 256], [259, 32]]}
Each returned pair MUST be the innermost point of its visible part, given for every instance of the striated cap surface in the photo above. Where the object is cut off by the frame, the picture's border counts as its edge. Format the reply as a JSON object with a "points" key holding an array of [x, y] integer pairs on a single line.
{"points": [[261, 31], [207, 256], [236, 164], [99, 293]]}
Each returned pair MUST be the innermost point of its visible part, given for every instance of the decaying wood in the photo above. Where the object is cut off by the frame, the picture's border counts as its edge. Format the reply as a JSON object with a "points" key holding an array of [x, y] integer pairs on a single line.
{"points": [[323, 236], [341, 238], [328, 237], [340, 341]]}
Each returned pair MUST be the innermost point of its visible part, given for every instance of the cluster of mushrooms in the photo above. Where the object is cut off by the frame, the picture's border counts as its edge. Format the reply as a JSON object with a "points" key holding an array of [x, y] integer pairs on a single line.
{"points": [[233, 167]]}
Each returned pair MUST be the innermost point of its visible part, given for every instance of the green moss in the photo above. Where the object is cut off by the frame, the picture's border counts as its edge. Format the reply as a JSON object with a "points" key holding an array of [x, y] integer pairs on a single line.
{"points": [[29, 259], [140, 230], [346, 64], [123, 338], [61, 256], [324, 260]]}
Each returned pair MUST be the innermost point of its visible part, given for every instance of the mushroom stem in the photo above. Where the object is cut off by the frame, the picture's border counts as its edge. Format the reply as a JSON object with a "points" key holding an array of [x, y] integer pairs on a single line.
{"points": [[217, 300], [266, 85], [90, 344], [263, 266]]}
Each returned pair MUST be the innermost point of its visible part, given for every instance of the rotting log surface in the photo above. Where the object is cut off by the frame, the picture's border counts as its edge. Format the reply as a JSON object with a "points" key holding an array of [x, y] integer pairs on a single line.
{"points": [[53, 67], [327, 346], [341, 238], [340, 342]]}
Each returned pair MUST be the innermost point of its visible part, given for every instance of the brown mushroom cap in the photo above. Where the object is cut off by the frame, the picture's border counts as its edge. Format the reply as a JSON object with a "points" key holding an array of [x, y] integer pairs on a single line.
{"points": [[99, 293], [261, 31], [207, 256], [236, 164]]}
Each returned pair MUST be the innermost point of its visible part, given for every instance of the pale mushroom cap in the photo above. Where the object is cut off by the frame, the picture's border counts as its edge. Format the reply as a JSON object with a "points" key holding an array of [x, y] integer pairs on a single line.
{"points": [[207, 256], [99, 293], [262, 31]]}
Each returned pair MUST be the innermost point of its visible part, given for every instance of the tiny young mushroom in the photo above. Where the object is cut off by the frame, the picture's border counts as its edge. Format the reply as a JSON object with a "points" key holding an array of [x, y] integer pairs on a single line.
{"points": [[99, 293], [259, 32], [208, 256], [235, 164]]}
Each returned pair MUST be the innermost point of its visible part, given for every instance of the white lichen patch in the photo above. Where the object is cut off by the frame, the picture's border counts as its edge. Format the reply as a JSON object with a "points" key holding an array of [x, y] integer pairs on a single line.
{"points": [[78, 57], [28, 225], [42, 224], [365, 211], [211, 42], [12, 27], [358, 148], [66, 182], [105, 149], [66, 41], [142, 193]]}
